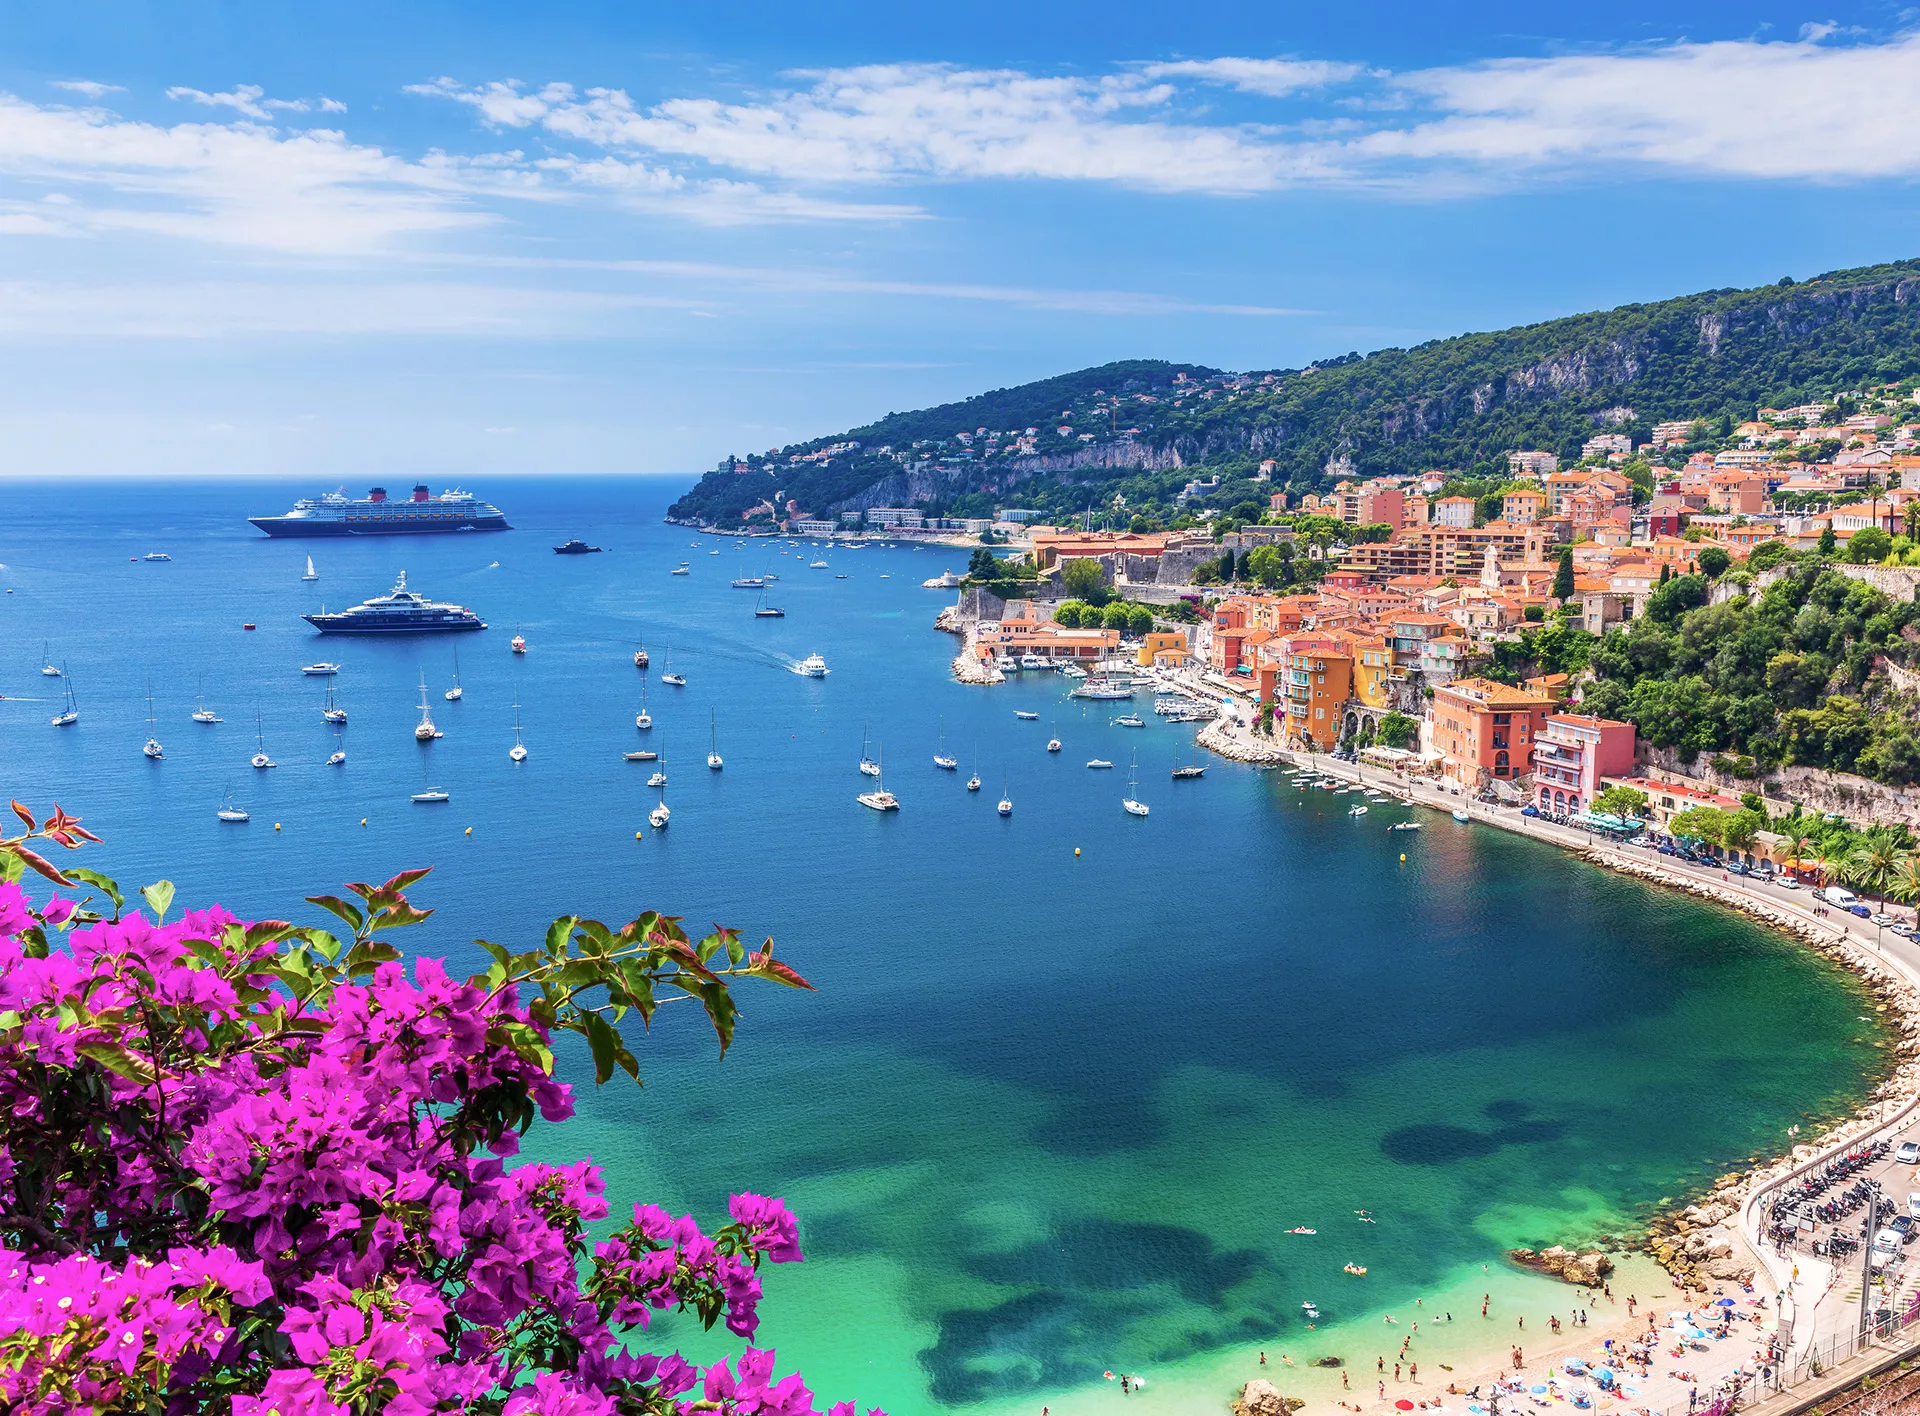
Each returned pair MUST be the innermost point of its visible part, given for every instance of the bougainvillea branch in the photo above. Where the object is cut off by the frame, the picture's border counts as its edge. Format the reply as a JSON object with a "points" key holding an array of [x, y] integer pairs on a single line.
{"points": [[259, 1167]]}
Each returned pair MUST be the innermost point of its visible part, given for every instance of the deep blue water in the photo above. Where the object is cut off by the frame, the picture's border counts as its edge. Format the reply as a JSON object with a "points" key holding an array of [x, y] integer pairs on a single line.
{"points": [[1048, 1112]]}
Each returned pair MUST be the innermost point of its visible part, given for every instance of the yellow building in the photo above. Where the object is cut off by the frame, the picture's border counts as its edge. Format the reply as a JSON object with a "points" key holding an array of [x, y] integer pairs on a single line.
{"points": [[1163, 649]]}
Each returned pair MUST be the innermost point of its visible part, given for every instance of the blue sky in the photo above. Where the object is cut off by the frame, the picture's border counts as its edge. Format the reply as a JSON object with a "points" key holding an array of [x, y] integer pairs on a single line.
{"points": [[457, 240]]}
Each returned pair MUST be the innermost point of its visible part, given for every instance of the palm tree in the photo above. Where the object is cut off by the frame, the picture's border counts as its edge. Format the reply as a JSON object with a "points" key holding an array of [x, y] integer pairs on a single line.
{"points": [[1873, 863], [1797, 843], [1905, 885]]}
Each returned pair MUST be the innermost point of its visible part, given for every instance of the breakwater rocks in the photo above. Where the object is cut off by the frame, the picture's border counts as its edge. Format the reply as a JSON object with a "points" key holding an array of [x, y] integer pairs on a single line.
{"points": [[1262, 1398], [948, 621], [1587, 1270], [1220, 738], [969, 667], [1697, 1242]]}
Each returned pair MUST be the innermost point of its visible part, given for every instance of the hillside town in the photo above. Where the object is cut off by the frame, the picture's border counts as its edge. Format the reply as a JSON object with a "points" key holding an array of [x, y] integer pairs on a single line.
{"points": [[1400, 618]]}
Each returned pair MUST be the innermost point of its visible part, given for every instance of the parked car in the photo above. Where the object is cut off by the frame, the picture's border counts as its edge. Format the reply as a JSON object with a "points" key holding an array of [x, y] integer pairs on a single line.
{"points": [[1529, 811], [1734, 867], [1908, 1153], [1902, 1224], [1913, 1203], [1901, 928], [1838, 895], [1883, 919], [1886, 1247], [1860, 910], [1787, 882]]}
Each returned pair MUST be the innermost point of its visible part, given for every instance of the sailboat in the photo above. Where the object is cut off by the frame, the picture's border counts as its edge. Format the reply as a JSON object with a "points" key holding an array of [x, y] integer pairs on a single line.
{"points": [[867, 765], [659, 817], [428, 794], [677, 680], [1053, 743], [229, 812], [202, 713], [880, 799], [640, 657], [260, 758], [311, 574], [46, 664], [973, 782], [453, 694], [424, 730], [70, 714], [643, 719], [763, 610], [332, 712], [1192, 769], [1006, 802], [1134, 807], [152, 747], [518, 751], [659, 777], [713, 742], [940, 758]]}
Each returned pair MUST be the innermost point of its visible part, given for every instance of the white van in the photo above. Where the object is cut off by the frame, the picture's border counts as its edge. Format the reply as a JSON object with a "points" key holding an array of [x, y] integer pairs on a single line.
{"points": [[1839, 895]]}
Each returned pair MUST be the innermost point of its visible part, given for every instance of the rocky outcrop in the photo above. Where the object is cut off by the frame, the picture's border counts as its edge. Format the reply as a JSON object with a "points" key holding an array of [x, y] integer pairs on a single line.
{"points": [[1262, 1398], [1588, 1269]]}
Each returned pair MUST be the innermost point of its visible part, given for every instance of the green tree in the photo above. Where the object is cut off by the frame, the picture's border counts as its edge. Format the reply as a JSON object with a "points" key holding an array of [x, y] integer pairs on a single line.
{"points": [[1699, 823], [1713, 561], [1828, 540], [1067, 614], [983, 564], [1563, 575], [1397, 730], [1265, 565], [1140, 621], [1742, 826], [1675, 597], [1117, 616], [1621, 801], [1874, 864], [1868, 546], [1083, 579], [1768, 554]]}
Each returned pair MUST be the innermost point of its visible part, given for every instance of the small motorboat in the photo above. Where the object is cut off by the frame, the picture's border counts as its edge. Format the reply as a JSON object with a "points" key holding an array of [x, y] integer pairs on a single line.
{"points": [[517, 644], [1357, 811], [642, 756], [431, 794], [230, 812], [1099, 762], [1129, 720], [337, 759], [157, 556], [321, 668], [1357, 1270], [1460, 814], [1053, 744], [1404, 826], [1025, 716], [658, 779], [1302, 1229], [813, 666], [680, 569]]}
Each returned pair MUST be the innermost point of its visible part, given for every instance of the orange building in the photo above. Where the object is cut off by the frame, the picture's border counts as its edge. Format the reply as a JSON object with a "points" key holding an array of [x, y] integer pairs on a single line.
{"points": [[1487, 729], [1316, 677]]}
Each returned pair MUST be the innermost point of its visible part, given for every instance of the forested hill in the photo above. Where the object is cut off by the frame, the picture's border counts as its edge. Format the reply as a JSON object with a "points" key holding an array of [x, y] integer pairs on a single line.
{"points": [[1143, 427]]}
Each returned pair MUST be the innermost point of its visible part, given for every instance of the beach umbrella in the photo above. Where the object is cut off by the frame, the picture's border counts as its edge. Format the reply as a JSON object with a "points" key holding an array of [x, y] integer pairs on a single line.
{"points": [[1403, 1405], [1723, 1302]]}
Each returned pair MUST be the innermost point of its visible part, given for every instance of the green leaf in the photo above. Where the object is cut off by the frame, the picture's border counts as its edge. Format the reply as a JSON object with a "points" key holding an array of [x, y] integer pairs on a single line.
{"points": [[159, 898], [719, 1005], [117, 1060], [604, 1043], [334, 905], [103, 883], [558, 933]]}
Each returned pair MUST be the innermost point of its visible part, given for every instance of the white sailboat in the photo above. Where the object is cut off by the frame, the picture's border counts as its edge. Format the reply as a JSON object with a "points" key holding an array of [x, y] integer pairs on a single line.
{"points": [[311, 574], [640, 657], [713, 742], [659, 777], [867, 765], [660, 816], [1053, 743], [260, 758], [643, 719], [70, 714], [880, 799], [337, 758], [46, 663], [424, 730], [152, 748], [973, 782], [940, 758], [229, 812], [453, 694], [330, 711], [518, 752], [1006, 802], [677, 680], [1133, 807], [202, 713]]}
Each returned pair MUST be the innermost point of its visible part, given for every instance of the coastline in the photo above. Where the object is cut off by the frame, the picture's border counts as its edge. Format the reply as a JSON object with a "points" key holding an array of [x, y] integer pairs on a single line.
{"points": [[1685, 1236]]}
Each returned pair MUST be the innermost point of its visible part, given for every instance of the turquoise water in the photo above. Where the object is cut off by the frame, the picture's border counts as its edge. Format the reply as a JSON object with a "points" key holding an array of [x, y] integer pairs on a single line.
{"points": [[1048, 1115]]}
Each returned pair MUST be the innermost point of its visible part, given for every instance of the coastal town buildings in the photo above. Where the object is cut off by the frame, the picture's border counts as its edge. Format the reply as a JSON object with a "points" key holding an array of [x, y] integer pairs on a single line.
{"points": [[1571, 757], [1486, 730]]}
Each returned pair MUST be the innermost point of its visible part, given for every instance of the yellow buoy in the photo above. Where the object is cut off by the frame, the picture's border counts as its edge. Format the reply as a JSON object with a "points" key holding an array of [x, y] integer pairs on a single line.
{"points": [[1403, 857], [636, 835], [363, 821], [469, 830], [1076, 850], [276, 825]]}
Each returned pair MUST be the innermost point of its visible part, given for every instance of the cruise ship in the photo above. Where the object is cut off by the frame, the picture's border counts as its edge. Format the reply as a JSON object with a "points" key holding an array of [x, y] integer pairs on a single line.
{"points": [[399, 611], [375, 514]]}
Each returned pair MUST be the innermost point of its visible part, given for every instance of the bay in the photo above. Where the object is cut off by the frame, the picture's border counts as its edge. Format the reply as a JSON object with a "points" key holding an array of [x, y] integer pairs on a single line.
{"points": [[1049, 1115]]}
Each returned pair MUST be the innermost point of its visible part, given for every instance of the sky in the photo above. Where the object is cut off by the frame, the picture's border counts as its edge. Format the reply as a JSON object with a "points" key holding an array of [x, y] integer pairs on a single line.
{"points": [[357, 241]]}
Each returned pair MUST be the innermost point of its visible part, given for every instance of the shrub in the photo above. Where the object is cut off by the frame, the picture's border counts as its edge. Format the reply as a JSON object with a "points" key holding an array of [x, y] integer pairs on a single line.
{"points": [[256, 1168]]}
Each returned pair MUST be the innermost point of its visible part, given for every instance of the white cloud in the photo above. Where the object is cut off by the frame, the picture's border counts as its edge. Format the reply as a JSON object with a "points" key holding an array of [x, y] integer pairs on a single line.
{"points": [[1792, 110], [245, 98], [1272, 78], [87, 87]]}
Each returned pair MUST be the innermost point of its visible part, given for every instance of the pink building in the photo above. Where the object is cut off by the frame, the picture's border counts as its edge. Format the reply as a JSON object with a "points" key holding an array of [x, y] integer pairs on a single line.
{"points": [[1572, 754]]}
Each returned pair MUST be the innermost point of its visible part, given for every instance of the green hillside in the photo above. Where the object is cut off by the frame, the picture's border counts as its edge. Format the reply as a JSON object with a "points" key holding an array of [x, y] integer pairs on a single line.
{"points": [[1143, 428]]}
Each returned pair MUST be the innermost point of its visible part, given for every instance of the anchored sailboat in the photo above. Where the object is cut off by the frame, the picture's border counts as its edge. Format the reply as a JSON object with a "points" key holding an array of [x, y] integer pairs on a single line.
{"points": [[260, 758], [659, 777], [867, 765], [152, 748], [70, 714], [311, 574], [453, 694], [643, 719], [677, 680], [713, 742], [424, 730], [1133, 807], [940, 758], [1006, 802], [880, 799], [46, 663], [332, 712], [518, 751]]}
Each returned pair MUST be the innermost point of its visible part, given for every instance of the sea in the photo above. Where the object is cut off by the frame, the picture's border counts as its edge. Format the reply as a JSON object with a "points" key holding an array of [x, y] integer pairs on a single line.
{"points": [[1071, 1078]]}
